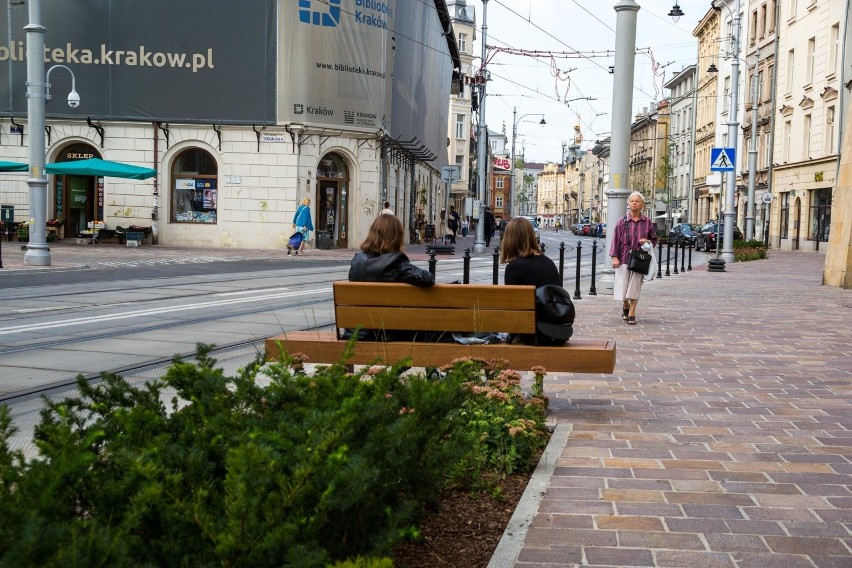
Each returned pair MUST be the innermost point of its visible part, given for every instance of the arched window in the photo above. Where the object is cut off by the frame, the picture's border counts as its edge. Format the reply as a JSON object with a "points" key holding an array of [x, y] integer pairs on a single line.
{"points": [[195, 193]]}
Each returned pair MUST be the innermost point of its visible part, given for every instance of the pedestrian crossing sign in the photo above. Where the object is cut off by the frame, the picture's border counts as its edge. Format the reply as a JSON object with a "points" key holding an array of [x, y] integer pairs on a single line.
{"points": [[722, 159]]}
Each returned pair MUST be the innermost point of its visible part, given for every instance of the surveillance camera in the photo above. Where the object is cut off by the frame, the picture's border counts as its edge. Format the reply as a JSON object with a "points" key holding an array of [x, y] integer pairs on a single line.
{"points": [[73, 99]]}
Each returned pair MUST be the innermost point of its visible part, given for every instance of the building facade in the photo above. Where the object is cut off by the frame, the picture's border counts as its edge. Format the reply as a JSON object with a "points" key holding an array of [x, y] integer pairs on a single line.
{"points": [[267, 103], [461, 138], [681, 158]]}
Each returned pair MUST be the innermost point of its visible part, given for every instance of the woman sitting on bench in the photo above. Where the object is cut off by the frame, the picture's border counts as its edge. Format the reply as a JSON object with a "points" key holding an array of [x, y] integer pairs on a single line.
{"points": [[381, 259]]}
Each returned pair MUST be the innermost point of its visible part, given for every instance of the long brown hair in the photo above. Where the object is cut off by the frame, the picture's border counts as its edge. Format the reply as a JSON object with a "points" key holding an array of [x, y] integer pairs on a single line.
{"points": [[518, 240], [385, 235]]}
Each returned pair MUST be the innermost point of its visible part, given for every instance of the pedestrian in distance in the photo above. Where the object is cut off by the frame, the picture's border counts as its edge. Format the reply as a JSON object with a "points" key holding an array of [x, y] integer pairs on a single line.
{"points": [[387, 210], [490, 226], [632, 232], [453, 223], [302, 223], [465, 225]]}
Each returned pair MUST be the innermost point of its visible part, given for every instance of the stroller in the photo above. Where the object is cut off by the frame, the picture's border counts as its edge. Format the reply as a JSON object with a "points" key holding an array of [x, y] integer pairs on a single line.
{"points": [[294, 245]]}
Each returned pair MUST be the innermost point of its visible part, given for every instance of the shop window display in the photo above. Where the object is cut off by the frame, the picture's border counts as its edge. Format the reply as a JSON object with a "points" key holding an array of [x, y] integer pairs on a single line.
{"points": [[195, 193]]}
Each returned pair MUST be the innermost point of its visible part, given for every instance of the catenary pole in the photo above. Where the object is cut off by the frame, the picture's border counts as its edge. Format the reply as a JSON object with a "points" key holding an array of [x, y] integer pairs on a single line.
{"points": [[752, 151], [622, 103], [481, 133], [733, 124]]}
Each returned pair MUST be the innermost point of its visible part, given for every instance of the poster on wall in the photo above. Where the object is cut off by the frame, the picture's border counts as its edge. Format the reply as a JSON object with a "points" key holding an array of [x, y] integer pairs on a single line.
{"points": [[195, 200]]}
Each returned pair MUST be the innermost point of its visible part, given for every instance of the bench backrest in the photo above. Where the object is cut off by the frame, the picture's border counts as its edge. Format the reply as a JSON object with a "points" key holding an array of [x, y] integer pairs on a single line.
{"points": [[469, 308]]}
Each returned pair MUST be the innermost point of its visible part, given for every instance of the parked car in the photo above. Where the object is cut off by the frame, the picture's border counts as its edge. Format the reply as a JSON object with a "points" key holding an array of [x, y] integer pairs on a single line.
{"points": [[684, 234], [536, 228], [706, 238]]}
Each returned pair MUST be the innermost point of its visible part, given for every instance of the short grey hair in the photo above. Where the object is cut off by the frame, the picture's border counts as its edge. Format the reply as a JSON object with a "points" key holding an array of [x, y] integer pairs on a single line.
{"points": [[639, 195]]}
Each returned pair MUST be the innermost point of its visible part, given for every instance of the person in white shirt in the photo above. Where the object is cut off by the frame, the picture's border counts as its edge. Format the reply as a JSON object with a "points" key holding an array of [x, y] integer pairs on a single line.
{"points": [[387, 210]]}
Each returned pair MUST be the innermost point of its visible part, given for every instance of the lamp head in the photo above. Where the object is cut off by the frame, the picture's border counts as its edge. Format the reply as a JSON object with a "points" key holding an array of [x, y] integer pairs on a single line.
{"points": [[712, 68], [542, 122], [675, 13], [73, 99]]}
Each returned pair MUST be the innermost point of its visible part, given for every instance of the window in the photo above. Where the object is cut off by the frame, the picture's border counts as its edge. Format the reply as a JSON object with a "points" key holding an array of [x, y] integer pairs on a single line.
{"points": [[771, 74], [195, 191], [788, 130], [820, 214], [772, 9], [791, 67], [499, 202], [463, 43], [792, 5], [806, 141], [459, 127], [499, 181], [829, 130], [759, 86], [763, 21], [459, 159], [811, 61], [752, 32], [785, 215], [833, 49], [727, 88]]}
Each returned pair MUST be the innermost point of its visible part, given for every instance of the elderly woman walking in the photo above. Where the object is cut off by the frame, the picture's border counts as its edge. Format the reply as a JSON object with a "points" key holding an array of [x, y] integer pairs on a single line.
{"points": [[631, 232]]}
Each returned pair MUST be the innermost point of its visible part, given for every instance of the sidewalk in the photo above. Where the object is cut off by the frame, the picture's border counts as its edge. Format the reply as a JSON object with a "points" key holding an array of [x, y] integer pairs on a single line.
{"points": [[723, 439]]}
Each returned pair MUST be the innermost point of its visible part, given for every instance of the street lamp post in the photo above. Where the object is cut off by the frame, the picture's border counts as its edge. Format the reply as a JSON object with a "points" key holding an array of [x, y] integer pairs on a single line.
{"points": [[38, 253], [514, 133], [38, 93]]}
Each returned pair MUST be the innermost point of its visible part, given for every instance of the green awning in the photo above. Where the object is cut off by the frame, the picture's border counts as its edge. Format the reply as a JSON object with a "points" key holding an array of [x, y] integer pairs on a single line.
{"points": [[13, 167], [100, 168]]}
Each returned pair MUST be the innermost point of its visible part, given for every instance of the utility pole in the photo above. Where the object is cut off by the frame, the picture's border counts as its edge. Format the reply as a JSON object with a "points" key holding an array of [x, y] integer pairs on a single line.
{"points": [[622, 103], [481, 132], [731, 181], [752, 151], [512, 179]]}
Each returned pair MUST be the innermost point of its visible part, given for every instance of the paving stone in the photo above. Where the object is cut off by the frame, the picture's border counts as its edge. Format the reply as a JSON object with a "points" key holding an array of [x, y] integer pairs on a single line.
{"points": [[629, 523], [680, 558], [807, 545], [619, 556], [644, 539], [735, 543]]}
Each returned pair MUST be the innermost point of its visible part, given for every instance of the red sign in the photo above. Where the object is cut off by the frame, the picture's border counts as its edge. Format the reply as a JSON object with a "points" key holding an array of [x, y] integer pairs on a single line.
{"points": [[502, 163]]}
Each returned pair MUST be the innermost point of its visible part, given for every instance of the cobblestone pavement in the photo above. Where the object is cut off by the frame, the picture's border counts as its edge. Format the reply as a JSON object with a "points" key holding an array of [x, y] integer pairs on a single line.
{"points": [[724, 437]]}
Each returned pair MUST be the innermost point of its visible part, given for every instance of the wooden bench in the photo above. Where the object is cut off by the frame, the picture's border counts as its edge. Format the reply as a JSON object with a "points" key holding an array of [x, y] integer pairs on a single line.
{"points": [[443, 308]]}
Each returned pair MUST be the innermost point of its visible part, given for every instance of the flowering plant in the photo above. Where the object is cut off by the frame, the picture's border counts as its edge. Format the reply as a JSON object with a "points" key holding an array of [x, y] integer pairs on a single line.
{"points": [[54, 222], [138, 229]]}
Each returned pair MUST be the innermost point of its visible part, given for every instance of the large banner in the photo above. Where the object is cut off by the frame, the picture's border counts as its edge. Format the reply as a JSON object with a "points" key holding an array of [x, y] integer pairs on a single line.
{"points": [[209, 61], [367, 64]]}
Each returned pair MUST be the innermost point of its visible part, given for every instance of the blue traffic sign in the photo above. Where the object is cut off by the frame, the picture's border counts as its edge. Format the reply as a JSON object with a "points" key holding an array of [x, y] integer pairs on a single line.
{"points": [[723, 159]]}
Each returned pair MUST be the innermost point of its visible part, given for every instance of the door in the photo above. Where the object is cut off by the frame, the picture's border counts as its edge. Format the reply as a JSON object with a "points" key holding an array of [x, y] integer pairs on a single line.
{"points": [[78, 198], [797, 224], [333, 199]]}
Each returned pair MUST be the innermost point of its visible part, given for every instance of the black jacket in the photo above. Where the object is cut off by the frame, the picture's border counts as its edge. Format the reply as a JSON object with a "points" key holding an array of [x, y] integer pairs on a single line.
{"points": [[388, 267]]}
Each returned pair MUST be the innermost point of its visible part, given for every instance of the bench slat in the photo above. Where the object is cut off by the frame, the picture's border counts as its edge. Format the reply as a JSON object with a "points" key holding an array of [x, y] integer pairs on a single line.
{"points": [[578, 356], [436, 319], [444, 295]]}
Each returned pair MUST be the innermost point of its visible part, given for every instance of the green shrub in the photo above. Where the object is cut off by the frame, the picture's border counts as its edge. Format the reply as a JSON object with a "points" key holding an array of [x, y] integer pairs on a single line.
{"points": [[752, 249], [304, 471]]}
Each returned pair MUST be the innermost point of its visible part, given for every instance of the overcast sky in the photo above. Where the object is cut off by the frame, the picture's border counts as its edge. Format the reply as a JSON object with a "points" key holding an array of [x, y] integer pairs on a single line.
{"points": [[568, 26]]}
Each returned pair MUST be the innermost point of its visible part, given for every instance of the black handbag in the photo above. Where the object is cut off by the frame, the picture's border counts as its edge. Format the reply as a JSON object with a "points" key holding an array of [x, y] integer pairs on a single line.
{"points": [[639, 261]]}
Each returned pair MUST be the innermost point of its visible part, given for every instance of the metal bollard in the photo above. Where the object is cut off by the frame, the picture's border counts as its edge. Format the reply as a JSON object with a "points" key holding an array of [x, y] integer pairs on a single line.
{"points": [[577, 277], [592, 290], [689, 266], [675, 256], [682, 256], [432, 261], [496, 275], [562, 263], [660, 260], [466, 278], [668, 257]]}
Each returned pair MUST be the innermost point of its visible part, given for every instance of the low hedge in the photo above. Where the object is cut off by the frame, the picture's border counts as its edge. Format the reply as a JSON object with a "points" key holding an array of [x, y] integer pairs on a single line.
{"points": [[271, 467], [752, 249]]}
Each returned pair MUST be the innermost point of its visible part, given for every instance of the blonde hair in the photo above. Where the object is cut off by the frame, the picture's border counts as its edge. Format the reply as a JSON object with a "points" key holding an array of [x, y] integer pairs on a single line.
{"points": [[518, 240], [306, 201], [385, 235]]}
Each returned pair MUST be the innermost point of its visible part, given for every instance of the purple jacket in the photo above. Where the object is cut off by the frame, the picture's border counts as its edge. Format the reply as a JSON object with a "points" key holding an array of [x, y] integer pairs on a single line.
{"points": [[627, 235]]}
